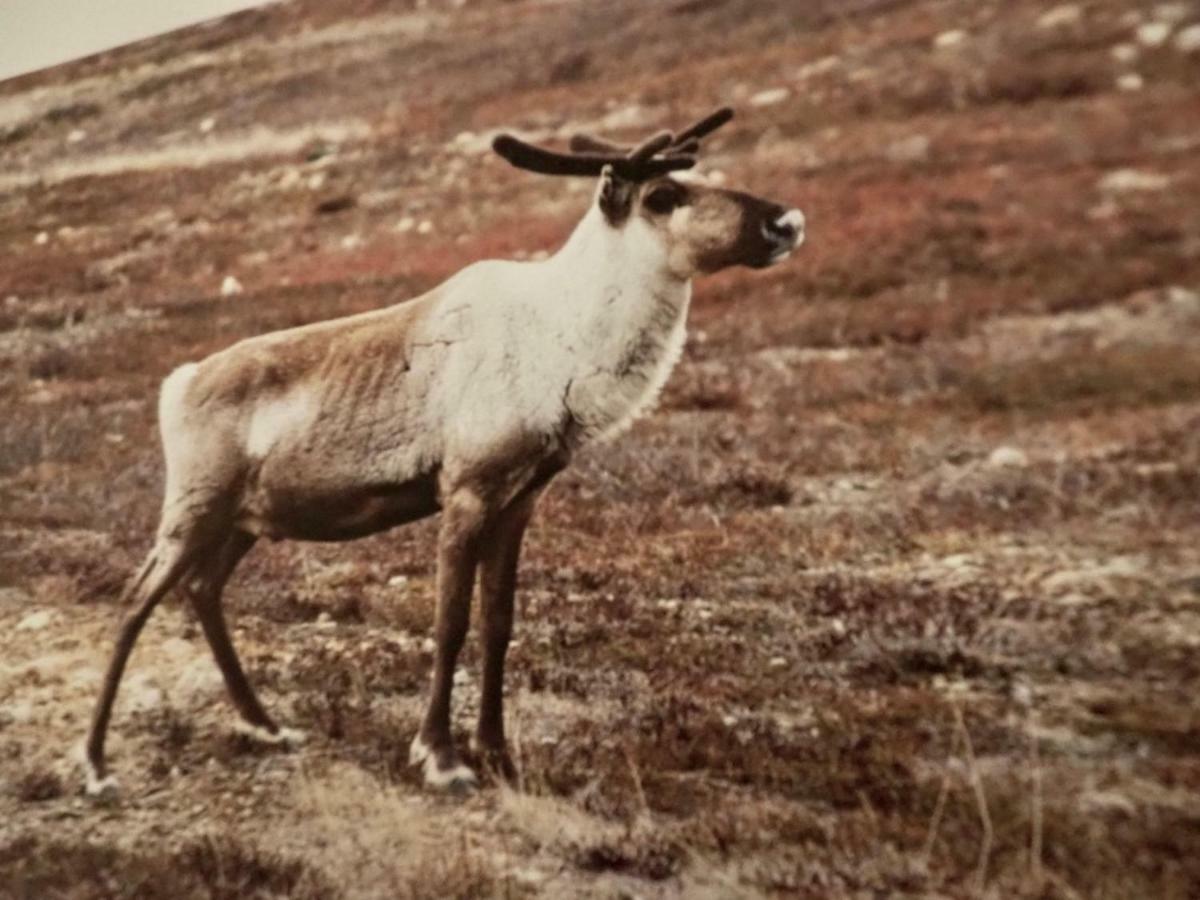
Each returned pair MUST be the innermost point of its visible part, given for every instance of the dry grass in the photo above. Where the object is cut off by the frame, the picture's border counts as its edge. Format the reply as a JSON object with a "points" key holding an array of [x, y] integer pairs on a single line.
{"points": [[382, 843], [213, 867]]}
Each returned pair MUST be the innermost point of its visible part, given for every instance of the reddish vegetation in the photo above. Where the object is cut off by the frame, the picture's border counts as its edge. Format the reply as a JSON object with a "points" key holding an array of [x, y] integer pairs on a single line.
{"points": [[897, 594]]}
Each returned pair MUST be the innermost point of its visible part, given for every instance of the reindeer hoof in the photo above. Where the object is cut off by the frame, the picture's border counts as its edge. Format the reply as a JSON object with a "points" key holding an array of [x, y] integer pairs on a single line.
{"points": [[95, 784], [283, 737], [441, 769], [495, 761], [99, 787]]}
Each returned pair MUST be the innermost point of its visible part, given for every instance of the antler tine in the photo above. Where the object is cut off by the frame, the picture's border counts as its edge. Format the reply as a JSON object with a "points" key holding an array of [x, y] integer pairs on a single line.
{"points": [[548, 162], [705, 126], [652, 146], [686, 142], [688, 148]]}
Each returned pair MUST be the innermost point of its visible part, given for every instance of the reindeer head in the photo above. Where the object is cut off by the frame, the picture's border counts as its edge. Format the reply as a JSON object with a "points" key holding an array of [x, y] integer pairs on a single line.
{"points": [[698, 228]]}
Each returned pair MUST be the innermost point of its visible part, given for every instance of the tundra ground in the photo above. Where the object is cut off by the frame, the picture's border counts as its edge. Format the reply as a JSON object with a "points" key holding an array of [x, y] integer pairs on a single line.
{"points": [[898, 593]]}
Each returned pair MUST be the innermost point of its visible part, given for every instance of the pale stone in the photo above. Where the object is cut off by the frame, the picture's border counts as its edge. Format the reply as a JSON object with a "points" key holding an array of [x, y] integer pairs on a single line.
{"points": [[909, 150], [1124, 53], [818, 67], [1122, 181], [1007, 457], [1060, 16], [1153, 34], [950, 38], [230, 286], [1188, 40], [770, 97], [36, 620]]}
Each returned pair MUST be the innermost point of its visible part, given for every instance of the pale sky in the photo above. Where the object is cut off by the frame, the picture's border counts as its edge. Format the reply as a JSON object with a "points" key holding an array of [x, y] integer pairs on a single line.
{"points": [[39, 33]]}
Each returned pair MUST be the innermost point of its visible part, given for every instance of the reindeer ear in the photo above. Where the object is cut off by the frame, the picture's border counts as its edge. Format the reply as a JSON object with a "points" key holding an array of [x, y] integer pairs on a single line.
{"points": [[615, 196]]}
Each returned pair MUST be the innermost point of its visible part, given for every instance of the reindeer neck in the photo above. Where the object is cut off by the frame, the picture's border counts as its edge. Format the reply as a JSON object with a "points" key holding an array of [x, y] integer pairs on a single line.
{"points": [[615, 284], [619, 315]]}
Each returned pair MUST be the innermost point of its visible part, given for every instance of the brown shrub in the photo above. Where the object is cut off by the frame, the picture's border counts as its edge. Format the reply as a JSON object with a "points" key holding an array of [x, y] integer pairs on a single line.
{"points": [[209, 868]]}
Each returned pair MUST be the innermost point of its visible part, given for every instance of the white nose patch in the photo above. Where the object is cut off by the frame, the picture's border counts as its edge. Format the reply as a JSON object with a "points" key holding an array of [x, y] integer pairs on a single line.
{"points": [[793, 219]]}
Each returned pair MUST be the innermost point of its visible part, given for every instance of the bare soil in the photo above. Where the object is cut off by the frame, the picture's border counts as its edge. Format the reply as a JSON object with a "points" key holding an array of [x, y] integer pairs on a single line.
{"points": [[898, 593]]}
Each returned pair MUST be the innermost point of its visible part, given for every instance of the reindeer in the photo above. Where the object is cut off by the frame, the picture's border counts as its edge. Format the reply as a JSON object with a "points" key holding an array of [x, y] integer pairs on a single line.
{"points": [[466, 400]]}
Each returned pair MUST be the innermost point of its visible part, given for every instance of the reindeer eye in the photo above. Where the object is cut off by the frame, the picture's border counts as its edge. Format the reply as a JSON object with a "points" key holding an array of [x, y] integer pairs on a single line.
{"points": [[663, 198]]}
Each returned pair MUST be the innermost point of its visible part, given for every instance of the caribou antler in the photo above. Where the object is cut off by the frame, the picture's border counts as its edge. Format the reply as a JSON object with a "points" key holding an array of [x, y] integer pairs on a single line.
{"points": [[664, 152], [626, 165], [687, 142]]}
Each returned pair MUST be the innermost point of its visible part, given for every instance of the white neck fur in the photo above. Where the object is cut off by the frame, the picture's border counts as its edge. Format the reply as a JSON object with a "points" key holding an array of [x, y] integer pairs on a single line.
{"points": [[621, 313]]}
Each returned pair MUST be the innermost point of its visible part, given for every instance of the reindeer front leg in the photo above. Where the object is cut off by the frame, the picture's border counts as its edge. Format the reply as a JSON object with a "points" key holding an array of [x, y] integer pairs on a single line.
{"points": [[463, 521], [498, 581]]}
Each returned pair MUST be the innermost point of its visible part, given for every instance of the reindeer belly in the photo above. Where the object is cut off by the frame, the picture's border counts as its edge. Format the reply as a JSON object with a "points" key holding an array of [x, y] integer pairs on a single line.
{"points": [[338, 515]]}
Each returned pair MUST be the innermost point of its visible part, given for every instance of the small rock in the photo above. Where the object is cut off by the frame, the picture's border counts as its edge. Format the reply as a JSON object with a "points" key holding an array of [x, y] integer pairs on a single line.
{"points": [[819, 67], [425, 227], [199, 682], [770, 97], [1060, 17], [529, 877], [950, 38], [1124, 53], [1007, 457], [1153, 34], [958, 561], [230, 286], [405, 225], [1122, 181], [36, 621], [1130, 81], [398, 581], [141, 694], [207, 125], [778, 662], [909, 150], [76, 136], [316, 180], [351, 241], [1183, 298], [42, 238], [1188, 40]]}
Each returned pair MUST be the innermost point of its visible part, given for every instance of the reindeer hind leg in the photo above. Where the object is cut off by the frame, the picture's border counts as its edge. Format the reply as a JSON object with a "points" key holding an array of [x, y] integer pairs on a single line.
{"points": [[164, 566], [204, 591]]}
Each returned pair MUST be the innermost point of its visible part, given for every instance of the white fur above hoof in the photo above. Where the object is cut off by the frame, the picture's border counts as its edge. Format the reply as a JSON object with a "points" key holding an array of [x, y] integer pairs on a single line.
{"points": [[458, 779], [284, 737], [97, 787]]}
